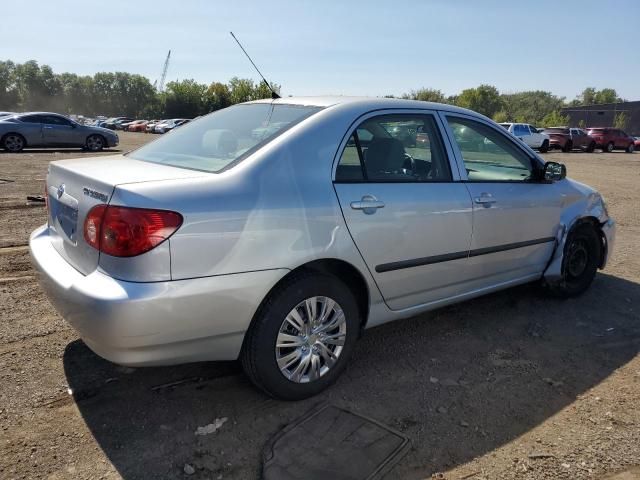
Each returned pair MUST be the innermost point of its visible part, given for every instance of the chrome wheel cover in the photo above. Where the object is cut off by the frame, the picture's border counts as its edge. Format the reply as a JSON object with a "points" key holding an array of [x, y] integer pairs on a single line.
{"points": [[310, 339], [13, 143], [94, 143]]}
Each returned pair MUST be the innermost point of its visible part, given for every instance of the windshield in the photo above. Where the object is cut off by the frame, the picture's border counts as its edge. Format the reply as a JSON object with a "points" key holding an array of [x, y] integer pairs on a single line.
{"points": [[220, 140]]}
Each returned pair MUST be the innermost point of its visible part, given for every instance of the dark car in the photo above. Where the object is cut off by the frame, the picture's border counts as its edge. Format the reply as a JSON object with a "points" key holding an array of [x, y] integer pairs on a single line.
{"points": [[567, 139], [113, 123], [610, 139]]}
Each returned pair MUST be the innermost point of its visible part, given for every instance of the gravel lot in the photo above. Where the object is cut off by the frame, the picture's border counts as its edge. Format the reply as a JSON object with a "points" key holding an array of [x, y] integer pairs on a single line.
{"points": [[512, 385]]}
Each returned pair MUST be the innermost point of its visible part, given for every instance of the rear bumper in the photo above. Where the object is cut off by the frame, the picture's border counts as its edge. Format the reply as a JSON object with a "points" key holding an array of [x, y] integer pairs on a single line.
{"points": [[156, 323]]}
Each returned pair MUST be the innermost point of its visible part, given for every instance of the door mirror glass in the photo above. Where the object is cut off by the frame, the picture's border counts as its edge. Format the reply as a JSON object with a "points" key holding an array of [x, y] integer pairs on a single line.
{"points": [[554, 171]]}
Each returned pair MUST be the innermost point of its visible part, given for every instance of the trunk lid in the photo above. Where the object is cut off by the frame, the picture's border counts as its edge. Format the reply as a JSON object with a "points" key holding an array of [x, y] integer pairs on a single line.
{"points": [[75, 186]]}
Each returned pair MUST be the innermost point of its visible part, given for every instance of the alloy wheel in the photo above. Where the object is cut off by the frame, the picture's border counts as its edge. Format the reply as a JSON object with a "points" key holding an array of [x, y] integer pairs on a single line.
{"points": [[311, 339], [94, 143], [14, 143]]}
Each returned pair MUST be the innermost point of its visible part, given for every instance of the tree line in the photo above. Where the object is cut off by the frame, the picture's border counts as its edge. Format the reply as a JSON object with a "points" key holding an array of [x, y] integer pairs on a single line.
{"points": [[30, 86]]}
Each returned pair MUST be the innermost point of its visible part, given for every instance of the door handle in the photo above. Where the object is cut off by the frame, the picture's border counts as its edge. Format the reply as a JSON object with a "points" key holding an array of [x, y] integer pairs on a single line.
{"points": [[368, 204], [47, 127], [485, 199]]}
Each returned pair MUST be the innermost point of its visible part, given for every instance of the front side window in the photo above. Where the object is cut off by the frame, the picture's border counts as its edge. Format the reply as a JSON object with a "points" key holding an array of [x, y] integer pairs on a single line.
{"points": [[222, 139], [488, 155], [395, 148]]}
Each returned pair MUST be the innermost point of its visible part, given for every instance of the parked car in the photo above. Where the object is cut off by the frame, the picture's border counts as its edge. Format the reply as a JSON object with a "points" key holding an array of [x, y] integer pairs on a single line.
{"points": [[137, 126], [168, 125], [150, 128], [215, 244], [122, 123], [112, 122], [610, 139], [44, 129], [567, 139], [529, 135], [636, 143]]}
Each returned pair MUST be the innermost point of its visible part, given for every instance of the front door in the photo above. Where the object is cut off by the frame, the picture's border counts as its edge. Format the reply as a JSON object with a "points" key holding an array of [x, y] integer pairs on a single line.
{"points": [[57, 130], [515, 217], [410, 221]]}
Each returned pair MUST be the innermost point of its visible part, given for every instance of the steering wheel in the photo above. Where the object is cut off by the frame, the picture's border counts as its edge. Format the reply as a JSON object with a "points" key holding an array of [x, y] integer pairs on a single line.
{"points": [[412, 163]]}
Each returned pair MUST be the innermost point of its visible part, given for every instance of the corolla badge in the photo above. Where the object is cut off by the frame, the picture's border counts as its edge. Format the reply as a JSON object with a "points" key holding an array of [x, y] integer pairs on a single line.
{"points": [[97, 195], [61, 190]]}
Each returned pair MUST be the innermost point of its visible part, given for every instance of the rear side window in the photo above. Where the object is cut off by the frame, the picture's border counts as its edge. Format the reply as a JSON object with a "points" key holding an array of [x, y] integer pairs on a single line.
{"points": [[222, 139], [395, 148], [32, 119]]}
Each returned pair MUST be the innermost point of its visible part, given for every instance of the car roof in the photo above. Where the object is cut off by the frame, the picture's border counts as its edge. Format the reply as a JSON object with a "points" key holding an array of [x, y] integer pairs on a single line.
{"points": [[367, 103]]}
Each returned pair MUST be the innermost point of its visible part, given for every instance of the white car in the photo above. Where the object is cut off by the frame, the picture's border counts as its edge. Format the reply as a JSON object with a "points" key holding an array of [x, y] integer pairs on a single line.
{"points": [[529, 135]]}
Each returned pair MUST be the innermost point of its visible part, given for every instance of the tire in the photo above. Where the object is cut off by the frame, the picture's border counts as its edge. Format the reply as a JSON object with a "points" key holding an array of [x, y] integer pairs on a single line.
{"points": [[609, 147], [591, 147], [13, 142], [95, 143], [544, 148], [630, 148], [567, 147], [260, 351], [582, 254]]}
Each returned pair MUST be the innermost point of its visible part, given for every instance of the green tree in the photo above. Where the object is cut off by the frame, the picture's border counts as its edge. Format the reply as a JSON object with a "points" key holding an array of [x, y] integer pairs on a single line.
{"points": [[241, 89], [217, 96], [426, 95], [555, 119], [484, 99], [184, 99], [530, 106], [9, 94]]}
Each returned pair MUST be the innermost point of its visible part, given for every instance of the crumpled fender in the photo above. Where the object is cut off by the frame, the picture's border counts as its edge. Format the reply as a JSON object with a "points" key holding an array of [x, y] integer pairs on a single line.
{"points": [[590, 206]]}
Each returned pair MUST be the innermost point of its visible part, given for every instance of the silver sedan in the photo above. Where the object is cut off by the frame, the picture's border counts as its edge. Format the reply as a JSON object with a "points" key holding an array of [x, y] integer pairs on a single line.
{"points": [[43, 129], [276, 231]]}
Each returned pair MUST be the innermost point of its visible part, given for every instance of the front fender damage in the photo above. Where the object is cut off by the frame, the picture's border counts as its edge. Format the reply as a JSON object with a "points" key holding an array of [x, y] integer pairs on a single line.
{"points": [[590, 209]]}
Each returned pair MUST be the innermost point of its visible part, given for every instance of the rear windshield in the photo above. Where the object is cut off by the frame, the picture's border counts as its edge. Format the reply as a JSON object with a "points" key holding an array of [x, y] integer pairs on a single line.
{"points": [[222, 139]]}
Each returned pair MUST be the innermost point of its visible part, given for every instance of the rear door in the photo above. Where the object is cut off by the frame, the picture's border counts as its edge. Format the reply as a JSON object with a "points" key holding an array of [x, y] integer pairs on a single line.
{"points": [[409, 218], [515, 218], [31, 129]]}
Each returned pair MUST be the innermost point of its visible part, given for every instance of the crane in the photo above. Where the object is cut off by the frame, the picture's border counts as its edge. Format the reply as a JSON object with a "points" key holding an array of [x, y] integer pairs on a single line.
{"points": [[164, 72]]}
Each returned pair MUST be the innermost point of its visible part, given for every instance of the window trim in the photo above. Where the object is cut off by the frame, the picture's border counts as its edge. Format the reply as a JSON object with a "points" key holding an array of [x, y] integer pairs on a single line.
{"points": [[448, 151], [536, 162]]}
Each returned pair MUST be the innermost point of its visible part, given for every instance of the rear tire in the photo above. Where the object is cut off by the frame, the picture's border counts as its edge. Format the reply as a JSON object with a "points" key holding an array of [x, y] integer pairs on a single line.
{"points": [[609, 147], [591, 147], [95, 143], [287, 371], [13, 142], [580, 262], [630, 148], [567, 147], [544, 148]]}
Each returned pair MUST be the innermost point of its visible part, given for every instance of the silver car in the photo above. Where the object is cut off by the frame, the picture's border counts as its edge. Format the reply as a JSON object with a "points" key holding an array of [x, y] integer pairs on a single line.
{"points": [[43, 129], [276, 231]]}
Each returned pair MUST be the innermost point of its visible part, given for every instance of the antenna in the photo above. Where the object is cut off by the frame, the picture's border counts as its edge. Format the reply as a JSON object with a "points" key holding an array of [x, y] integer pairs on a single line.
{"points": [[164, 72], [274, 95]]}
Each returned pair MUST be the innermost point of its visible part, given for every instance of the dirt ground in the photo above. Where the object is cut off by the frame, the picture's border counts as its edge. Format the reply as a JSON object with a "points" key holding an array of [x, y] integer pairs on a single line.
{"points": [[512, 385]]}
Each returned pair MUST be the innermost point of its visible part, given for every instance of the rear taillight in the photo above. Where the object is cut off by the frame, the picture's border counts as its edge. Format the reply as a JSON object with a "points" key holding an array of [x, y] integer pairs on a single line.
{"points": [[126, 232]]}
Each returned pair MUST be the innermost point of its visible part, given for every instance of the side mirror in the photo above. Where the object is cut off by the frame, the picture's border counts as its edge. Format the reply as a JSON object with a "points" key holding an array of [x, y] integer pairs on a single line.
{"points": [[554, 171]]}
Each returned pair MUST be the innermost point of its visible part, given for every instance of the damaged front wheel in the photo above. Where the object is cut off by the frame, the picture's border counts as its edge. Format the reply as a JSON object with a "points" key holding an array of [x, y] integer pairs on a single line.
{"points": [[581, 258]]}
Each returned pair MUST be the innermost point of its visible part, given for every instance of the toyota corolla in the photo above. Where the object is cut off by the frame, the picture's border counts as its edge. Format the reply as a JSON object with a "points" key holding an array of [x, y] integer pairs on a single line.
{"points": [[276, 231]]}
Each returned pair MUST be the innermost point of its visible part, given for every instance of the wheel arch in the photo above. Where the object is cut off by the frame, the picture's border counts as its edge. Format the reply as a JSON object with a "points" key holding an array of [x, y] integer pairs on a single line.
{"points": [[341, 269]]}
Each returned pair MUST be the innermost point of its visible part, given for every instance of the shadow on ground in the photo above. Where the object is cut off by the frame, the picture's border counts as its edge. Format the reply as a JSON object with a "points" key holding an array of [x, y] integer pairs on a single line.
{"points": [[459, 382]]}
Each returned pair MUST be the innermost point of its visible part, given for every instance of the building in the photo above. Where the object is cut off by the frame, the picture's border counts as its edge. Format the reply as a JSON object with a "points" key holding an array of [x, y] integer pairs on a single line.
{"points": [[603, 115]]}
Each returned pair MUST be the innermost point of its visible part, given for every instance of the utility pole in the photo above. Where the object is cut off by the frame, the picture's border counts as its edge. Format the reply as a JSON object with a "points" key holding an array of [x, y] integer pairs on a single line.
{"points": [[164, 72]]}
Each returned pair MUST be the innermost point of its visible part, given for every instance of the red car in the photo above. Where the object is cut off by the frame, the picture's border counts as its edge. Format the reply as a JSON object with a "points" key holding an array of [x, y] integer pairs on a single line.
{"points": [[566, 139], [610, 139], [137, 126]]}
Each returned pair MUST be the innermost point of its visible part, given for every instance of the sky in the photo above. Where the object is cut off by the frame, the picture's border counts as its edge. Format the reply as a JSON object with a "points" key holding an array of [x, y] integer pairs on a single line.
{"points": [[341, 47]]}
